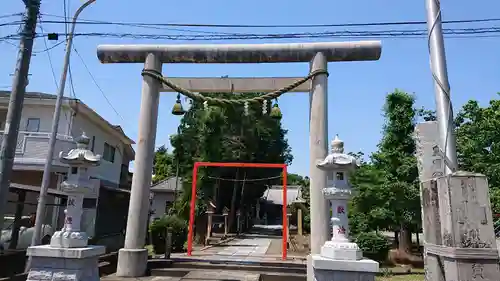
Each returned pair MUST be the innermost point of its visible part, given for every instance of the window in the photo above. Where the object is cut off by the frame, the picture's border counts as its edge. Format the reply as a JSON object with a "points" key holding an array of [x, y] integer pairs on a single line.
{"points": [[92, 146], [74, 170], [340, 176], [33, 125], [168, 205], [109, 153], [89, 203]]}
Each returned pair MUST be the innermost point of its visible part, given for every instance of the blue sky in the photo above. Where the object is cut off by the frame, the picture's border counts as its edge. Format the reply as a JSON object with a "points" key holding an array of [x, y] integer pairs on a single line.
{"points": [[356, 89]]}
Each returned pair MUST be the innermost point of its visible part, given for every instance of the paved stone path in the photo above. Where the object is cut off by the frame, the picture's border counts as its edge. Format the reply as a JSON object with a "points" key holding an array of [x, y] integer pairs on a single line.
{"points": [[250, 246]]}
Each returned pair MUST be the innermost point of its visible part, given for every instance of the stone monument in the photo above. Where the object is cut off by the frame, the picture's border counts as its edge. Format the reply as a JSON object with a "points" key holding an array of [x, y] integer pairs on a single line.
{"points": [[340, 259], [68, 257], [459, 239]]}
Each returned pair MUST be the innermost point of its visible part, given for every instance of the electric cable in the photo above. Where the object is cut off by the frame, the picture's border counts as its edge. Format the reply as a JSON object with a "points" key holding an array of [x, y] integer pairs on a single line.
{"points": [[97, 85], [49, 58], [72, 86], [96, 22], [47, 50], [66, 20], [455, 33], [11, 15], [243, 180]]}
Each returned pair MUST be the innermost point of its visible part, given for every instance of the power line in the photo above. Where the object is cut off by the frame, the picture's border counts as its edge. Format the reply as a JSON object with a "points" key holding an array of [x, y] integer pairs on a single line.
{"points": [[238, 36], [244, 180], [459, 33], [97, 85], [11, 15], [48, 48], [96, 22], [72, 86], [49, 58], [492, 32], [65, 17]]}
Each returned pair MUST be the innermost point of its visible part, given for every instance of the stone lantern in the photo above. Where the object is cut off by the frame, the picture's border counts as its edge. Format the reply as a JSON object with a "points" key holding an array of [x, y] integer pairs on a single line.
{"points": [[68, 257], [340, 254]]}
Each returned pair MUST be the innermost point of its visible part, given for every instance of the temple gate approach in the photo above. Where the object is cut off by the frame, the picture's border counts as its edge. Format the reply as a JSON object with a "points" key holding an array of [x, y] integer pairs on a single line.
{"points": [[132, 259]]}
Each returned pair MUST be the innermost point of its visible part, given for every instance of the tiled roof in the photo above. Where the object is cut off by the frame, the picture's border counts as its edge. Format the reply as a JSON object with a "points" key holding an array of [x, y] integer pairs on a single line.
{"points": [[33, 95], [274, 194], [167, 185]]}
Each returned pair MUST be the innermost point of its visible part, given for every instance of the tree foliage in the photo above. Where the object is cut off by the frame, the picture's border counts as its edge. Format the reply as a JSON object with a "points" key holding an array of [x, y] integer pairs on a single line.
{"points": [[387, 194], [386, 187], [162, 165], [478, 143], [226, 134]]}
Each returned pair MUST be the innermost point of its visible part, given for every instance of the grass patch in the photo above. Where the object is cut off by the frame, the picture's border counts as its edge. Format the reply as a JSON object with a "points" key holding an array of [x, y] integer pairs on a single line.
{"points": [[400, 274]]}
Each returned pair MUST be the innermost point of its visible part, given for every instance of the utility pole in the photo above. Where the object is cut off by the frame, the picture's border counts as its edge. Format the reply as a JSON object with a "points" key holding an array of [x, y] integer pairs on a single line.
{"points": [[444, 110], [9, 140], [40, 209]]}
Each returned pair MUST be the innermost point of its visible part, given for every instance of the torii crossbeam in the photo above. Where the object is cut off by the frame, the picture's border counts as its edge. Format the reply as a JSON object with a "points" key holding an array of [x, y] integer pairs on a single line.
{"points": [[132, 259], [235, 84]]}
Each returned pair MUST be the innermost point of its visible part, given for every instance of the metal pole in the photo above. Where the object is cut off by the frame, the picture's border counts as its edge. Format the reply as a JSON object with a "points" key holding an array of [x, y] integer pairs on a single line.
{"points": [[55, 124], [444, 110], [11, 131]]}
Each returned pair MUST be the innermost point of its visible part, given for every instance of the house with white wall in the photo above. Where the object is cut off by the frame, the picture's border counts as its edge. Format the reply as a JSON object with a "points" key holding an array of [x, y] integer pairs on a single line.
{"points": [[163, 195], [76, 117]]}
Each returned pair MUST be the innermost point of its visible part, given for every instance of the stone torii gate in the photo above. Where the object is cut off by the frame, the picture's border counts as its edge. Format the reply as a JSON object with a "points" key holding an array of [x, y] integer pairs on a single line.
{"points": [[132, 259]]}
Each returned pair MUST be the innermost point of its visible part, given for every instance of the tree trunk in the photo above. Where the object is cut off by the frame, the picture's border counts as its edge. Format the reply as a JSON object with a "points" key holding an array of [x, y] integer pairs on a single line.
{"points": [[396, 239], [232, 210], [200, 229], [21, 197], [404, 239]]}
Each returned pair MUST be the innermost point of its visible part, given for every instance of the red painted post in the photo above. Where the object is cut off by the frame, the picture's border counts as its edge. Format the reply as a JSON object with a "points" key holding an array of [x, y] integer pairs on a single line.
{"points": [[192, 211], [285, 216]]}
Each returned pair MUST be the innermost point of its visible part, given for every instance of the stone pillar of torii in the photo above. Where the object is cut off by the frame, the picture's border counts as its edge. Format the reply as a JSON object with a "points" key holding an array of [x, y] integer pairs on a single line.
{"points": [[132, 258]]}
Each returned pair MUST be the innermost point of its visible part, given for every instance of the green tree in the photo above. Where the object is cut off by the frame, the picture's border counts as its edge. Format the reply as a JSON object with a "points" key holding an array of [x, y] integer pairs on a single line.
{"points": [[303, 182], [162, 164], [370, 208], [387, 188], [226, 134], [396, 159], [478, 143]]}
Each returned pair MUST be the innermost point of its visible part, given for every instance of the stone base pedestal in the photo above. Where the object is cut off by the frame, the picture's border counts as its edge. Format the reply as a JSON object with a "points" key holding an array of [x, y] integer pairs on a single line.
{"points": [[341, 251], [323, 269], [132, 262], [69, 239], [61, 264]]}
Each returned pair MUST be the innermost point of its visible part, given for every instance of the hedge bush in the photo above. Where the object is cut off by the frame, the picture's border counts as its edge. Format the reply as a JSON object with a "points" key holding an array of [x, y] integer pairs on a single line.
{"points": [[177, 226], [374, 245]]}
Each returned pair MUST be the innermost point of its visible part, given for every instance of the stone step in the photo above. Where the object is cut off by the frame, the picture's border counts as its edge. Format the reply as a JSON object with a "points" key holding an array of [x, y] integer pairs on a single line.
{"points": [[190, 274], [204, 275], [179, 270], [216, 262]]}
